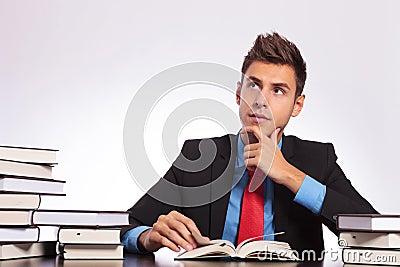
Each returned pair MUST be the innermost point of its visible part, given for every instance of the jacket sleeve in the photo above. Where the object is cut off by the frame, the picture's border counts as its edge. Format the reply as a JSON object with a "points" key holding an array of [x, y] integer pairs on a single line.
{"points": [[341, 197]]}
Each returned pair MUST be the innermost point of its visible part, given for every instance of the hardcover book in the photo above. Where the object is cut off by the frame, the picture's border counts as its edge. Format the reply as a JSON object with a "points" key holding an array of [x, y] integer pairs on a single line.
{"points": [[18, 234], [19, 201], [89, 236], [86, 218], [29, 155], [64, 218], [90, 263], [24, 250], [14, 168], [368, 222], [15, 217], [370, 239], [31, 185], [93, 251]]}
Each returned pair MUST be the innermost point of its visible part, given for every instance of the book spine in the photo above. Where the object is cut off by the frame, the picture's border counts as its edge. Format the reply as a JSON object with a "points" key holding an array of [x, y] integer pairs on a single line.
{"points": [[32, 216], [40, 201], [38, 235], [58, 234]]}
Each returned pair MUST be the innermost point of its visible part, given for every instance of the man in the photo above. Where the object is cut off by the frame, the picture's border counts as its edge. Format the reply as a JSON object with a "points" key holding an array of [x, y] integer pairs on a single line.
{"points": [[304, 186]]}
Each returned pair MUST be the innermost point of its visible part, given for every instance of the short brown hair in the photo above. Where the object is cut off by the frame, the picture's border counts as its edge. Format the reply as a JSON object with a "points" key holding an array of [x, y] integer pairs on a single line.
{"points": [[276, 49]]}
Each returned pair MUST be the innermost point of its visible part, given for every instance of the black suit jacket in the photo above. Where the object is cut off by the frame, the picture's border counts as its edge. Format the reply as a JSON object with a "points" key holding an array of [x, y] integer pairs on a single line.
{"points": [[303, 229]]}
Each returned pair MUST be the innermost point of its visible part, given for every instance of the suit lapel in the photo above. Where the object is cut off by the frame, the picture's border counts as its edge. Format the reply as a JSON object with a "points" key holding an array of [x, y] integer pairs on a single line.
{"points": [[283, 196], [288, 151], [222, 177]]}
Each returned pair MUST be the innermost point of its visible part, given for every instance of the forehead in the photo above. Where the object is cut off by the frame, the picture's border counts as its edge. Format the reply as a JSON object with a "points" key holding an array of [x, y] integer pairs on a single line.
{"points": [[272, 73]]}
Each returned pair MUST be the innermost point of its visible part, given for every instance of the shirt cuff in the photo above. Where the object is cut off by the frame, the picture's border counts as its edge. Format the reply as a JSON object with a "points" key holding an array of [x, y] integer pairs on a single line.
{"points": [[131, 237], [311, 195]]}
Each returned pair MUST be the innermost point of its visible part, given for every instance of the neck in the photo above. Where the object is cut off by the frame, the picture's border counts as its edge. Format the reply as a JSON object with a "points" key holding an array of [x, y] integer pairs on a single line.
{"points": [[279, 137]]}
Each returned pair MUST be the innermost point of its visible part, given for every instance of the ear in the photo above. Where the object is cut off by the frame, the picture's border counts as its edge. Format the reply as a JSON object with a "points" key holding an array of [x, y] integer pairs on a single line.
{"points": [[238, 92], [298, 105]]}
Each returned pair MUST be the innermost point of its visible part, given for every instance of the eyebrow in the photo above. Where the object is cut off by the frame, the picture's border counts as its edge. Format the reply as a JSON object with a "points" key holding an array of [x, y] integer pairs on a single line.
{"points": [[282, 85], [255, 79]]}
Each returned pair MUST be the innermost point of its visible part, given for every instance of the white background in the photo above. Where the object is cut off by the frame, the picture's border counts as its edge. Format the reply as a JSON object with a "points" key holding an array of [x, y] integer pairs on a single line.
{"points": [[69, 69]]}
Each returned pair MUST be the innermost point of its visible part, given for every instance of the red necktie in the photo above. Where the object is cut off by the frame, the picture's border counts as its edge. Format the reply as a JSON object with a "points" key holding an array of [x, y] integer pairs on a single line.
{"points": [[251, 222]]}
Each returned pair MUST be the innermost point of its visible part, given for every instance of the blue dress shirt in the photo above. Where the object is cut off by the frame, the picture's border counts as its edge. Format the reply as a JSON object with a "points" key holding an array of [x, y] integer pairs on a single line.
{"points": [[310, 195]]}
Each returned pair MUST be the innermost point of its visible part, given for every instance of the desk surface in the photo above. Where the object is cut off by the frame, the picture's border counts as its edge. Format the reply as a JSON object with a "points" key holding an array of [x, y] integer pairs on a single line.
{"points": [[133, 260]]}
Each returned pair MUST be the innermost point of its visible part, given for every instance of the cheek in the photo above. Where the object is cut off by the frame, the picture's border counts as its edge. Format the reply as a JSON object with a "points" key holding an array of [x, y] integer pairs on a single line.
{"points": [[281, 113], [242, 109], [243, 106]]}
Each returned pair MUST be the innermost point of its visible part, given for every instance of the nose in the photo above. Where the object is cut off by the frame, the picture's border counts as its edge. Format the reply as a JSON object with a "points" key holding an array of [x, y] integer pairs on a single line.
{"points": [[261, 101]]}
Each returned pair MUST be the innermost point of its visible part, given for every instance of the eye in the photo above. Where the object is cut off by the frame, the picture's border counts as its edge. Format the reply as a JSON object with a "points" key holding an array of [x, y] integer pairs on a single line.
{"points": [[253, 85], [279, 91]]}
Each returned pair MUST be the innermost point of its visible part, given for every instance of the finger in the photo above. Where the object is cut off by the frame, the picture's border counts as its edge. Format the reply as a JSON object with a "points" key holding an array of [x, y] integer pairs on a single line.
{"points": [[246, 129], [249, 138], [251, 163], [174, 230], [185, 220], [176, 238], [165, 242], [252, 147], [255, 130], [251, 154], [187, 228], [201, 240], [184, 232], [274, 135]]}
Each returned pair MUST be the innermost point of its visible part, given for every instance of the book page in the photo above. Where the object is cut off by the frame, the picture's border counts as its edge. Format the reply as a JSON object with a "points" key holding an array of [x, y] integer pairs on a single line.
{"points": [[265, 250], [208, 251], [257, 237]]}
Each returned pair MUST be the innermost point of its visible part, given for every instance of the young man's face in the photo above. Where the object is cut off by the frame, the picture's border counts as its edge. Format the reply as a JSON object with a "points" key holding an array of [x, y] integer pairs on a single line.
{"points": [[266, 97]]}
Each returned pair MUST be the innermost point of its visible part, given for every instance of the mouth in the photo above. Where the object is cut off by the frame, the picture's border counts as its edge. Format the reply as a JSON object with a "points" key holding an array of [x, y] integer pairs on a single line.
{"points": [[257, 117]]}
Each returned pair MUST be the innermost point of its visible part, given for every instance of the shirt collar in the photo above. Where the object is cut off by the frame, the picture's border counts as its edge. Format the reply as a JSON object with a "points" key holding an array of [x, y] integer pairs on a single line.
{"points": [[240, 148]]}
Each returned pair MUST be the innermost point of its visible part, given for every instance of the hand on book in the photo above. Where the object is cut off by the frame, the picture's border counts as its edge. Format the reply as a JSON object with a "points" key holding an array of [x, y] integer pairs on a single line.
{"points": [[173, 231]]}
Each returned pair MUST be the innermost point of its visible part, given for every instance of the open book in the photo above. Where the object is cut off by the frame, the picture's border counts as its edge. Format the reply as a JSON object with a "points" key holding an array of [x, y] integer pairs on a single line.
{"points": [[247, 249]]}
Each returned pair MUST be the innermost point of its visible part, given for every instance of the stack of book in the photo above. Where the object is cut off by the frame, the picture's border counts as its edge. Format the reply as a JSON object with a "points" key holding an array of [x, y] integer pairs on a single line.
{"points": [[88, 234], [25, 174], [81, 235], [371, 239]]}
